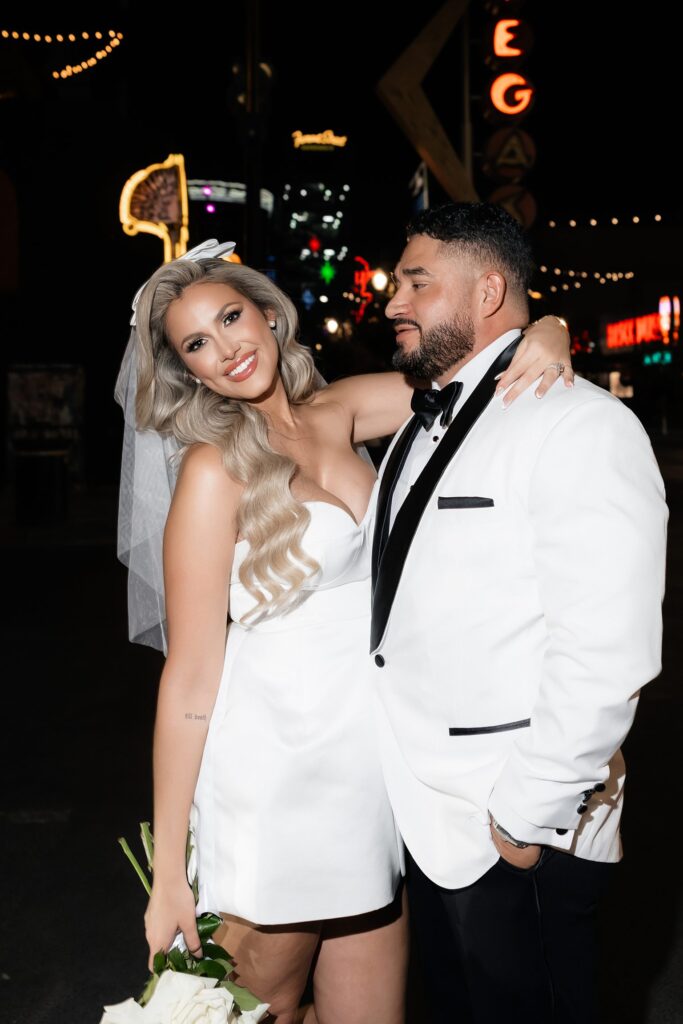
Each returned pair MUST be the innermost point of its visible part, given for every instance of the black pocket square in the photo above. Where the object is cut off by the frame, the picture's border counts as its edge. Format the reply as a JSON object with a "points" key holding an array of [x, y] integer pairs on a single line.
{"points": [[460, 502]]}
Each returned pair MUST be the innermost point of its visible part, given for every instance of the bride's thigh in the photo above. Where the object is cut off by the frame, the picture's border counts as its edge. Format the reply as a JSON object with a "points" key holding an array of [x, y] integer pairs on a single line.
{"points": [[273, 961], [360, 973]]}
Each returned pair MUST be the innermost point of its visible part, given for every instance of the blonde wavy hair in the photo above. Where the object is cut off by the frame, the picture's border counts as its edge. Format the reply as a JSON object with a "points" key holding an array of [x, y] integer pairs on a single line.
{"points": [[268, 516]]}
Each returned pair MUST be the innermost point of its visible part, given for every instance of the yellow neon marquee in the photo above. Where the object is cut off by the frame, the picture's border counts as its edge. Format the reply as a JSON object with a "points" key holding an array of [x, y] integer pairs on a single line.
{"points": [[327, 138], [154, 201]]}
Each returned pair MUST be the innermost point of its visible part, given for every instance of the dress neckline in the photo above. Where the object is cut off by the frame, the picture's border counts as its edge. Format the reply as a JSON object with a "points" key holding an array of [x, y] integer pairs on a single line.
{"points": [[317, 501], [345, 512]]}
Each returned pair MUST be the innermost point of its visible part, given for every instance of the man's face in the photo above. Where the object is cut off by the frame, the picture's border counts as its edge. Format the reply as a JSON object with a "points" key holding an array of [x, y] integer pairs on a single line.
{"points": [[431, 309]]}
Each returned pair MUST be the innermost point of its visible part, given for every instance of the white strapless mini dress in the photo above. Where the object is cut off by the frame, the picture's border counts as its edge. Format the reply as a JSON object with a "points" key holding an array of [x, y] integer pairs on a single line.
{"points": [[291, 817]]}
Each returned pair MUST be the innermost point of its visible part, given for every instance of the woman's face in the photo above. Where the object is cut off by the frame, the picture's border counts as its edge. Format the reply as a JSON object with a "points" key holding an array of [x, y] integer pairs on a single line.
{"points": [[224, 339]]}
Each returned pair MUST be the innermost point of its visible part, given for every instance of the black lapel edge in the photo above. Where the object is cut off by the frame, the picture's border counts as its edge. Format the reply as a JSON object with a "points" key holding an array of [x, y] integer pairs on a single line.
{"points": [[409, 515], [386, 490]]}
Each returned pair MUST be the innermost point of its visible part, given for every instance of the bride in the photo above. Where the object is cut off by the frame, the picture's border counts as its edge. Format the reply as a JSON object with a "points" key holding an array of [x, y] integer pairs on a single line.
{"points": [[268, 740]]}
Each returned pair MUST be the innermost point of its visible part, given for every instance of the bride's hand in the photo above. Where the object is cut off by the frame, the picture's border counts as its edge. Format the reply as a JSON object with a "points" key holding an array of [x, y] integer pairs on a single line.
{"points": [[171, 909], [545, 343]]}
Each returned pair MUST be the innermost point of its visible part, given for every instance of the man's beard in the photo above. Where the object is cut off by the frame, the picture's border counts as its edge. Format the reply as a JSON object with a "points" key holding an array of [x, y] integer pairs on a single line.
{"points": [[440, 348]]}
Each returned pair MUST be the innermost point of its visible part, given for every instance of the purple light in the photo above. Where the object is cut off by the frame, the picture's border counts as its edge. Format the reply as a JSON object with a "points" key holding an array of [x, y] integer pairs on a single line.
{"points": [[210, 208], [207, 190]]}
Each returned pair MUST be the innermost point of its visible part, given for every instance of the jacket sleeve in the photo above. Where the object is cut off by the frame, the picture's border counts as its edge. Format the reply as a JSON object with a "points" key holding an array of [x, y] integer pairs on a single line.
{"points": [[598, 517]]}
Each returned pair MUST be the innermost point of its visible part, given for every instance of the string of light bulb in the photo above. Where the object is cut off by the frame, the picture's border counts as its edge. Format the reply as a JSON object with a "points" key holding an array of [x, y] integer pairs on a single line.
{"points": [[602, 277], [593, 222], [113, 38]]}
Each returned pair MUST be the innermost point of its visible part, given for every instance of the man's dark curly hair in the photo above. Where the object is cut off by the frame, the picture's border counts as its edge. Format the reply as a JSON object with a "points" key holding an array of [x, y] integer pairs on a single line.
{"points": [[486, 231]]}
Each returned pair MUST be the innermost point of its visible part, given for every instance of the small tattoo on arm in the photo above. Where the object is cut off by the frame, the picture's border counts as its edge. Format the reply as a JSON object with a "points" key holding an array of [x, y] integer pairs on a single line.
{"points": [[188, 714]]}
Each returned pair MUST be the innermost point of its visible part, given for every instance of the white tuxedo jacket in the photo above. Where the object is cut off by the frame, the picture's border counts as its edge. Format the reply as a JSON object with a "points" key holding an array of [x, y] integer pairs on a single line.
{"points": [[516, 615]]}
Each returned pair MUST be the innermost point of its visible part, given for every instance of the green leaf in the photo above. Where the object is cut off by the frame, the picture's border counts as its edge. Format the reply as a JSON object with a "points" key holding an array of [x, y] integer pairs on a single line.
{"points": [[209, 968], [215, 951], [147, 842], [159, 962], [245, 999], [176, 960], [131, 857], [207, 924]]}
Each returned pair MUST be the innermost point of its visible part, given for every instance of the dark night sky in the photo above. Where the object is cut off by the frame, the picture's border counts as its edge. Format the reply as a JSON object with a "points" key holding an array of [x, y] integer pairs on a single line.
{"points": [[605, 123], [605, 120]]}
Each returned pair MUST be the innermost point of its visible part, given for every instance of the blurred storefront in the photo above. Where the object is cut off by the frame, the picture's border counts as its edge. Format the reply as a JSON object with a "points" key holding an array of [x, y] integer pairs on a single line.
{"points": [[638, 359]]}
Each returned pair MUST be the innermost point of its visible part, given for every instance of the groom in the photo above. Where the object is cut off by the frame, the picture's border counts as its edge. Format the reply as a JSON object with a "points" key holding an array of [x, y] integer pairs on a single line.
{"points": [[518, 573]]}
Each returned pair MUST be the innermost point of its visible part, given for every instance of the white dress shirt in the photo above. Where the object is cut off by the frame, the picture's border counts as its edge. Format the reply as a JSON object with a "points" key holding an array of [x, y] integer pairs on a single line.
{"points": [[424, 444]]}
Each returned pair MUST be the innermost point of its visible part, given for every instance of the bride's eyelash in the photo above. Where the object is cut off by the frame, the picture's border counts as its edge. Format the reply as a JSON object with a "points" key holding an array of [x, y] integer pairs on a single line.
{"points": [[194, 345]]}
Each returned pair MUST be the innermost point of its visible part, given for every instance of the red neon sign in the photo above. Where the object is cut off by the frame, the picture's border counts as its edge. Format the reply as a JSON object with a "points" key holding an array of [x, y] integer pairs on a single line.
{"points": [[511, 93], [503, 35], [639, 330], [361, 279]]}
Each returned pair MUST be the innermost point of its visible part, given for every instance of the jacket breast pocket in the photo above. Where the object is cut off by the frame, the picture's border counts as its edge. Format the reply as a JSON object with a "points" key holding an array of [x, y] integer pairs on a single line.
{"points": [[459, 501], [486, 730]]}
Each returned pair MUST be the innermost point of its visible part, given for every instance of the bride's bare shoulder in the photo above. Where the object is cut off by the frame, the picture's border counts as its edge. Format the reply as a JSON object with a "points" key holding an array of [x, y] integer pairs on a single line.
{"points": [[202, 467]]}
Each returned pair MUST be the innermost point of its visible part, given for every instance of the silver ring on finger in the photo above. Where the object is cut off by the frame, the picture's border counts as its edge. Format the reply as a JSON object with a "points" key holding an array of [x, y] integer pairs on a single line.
{"points": [[560, 367]]}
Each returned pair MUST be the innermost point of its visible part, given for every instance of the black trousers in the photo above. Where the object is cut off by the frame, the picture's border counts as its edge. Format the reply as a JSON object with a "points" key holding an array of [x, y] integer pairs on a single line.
{"points": [[516, 945]]}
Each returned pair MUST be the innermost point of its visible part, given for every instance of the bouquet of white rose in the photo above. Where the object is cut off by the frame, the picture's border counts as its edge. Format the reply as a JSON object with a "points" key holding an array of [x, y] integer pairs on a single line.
{"points": [[183, 989]]}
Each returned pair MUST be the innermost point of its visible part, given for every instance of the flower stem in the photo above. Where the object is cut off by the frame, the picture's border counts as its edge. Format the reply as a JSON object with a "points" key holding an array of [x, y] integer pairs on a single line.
{"points": [[131, 857]]}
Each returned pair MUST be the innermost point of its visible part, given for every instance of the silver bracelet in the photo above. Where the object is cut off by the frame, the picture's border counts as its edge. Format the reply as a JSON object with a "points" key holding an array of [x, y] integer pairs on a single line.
{"points": [[506, 837]]}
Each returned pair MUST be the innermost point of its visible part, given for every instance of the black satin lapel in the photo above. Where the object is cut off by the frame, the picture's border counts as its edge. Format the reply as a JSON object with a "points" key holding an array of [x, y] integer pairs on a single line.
{"points": [[386, 576], [390, 475]]}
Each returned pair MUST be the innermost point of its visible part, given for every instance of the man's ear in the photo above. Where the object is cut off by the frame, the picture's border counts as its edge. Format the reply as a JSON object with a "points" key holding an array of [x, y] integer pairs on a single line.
{"points": [[491, 289]]}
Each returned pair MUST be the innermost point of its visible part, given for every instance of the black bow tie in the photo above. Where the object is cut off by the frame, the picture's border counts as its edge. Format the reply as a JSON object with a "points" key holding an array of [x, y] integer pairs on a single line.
{"points": [[428, 404]]}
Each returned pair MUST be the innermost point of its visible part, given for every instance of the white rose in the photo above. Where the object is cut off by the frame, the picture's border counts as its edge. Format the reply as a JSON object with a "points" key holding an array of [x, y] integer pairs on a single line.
{"points": [[187, 999], [129, 1012], [183, 999], [211, 1006], [255, 1015]]}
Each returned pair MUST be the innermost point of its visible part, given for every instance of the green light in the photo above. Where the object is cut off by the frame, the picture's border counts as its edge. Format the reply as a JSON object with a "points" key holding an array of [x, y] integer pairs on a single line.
{"points": [[327, 272], [657, 359]]}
